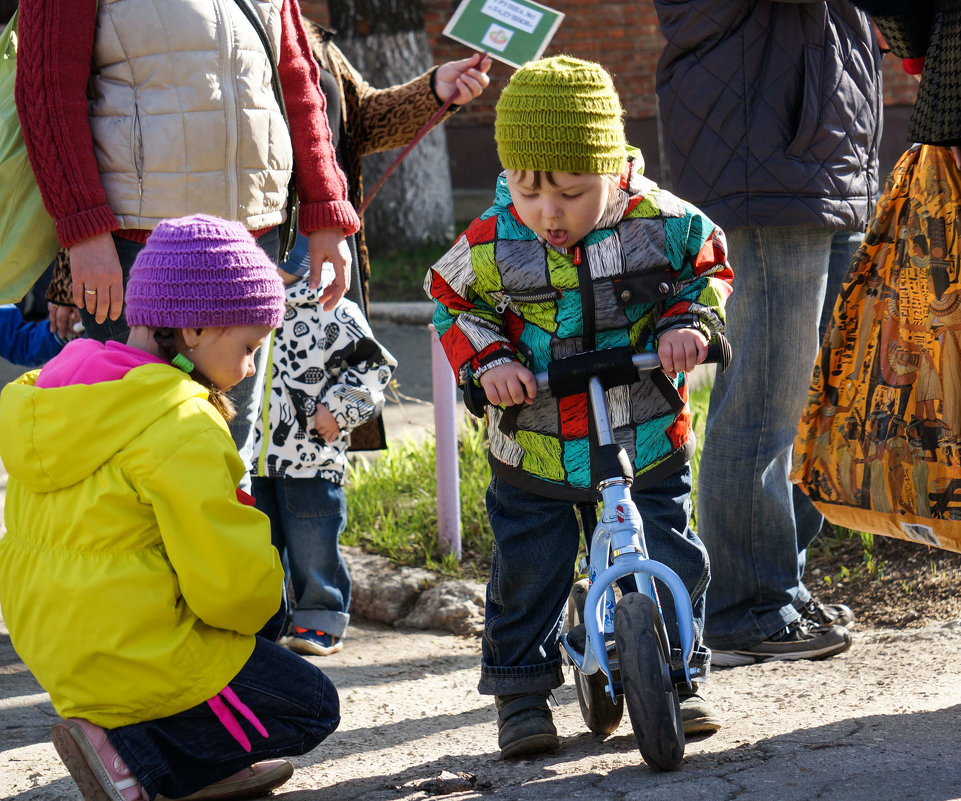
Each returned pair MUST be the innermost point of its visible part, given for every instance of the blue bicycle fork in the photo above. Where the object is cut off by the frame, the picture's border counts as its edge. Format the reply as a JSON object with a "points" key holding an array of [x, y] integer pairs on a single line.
{"points": [[620, 533]]}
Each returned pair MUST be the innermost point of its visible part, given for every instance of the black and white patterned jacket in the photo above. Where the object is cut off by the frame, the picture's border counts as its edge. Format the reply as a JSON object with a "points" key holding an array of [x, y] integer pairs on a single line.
{"points": [[318, 357]]}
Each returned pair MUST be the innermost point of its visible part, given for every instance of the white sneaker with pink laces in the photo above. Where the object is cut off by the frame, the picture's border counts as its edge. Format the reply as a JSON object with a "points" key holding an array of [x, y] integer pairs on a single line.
{"points": [[94, 764]]}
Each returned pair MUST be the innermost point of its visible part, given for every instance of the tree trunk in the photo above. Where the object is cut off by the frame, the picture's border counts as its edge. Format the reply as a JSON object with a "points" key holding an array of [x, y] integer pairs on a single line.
{"points": [[386, 41]]}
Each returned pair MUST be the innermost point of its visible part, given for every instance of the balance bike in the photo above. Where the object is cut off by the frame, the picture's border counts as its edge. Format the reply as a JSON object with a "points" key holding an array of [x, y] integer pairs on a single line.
{"points": [[619, 648]]}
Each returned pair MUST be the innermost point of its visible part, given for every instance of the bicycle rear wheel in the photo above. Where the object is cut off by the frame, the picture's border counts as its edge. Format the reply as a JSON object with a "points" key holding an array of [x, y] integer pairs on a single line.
{"points": [[600, 713], [652, 701]]}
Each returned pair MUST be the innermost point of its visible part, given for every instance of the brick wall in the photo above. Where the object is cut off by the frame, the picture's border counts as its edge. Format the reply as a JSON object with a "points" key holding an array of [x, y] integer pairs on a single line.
{"points": [[624, 36]]}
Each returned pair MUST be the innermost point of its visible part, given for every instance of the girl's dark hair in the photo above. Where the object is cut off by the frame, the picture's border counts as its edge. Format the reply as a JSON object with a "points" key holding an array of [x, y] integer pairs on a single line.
{"points": [[164, 337]]}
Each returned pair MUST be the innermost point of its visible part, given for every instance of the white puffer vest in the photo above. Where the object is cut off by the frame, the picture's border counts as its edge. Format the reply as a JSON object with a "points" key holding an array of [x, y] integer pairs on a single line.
{"points": [[183, 113]]}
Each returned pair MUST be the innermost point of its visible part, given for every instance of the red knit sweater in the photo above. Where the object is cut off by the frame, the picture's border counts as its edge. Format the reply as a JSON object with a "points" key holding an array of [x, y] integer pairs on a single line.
{"points": [[54, 54]]}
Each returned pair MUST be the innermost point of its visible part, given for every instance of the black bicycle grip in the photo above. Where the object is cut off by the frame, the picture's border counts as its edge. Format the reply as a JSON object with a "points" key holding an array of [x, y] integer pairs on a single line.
{"points": [[719, 352]]}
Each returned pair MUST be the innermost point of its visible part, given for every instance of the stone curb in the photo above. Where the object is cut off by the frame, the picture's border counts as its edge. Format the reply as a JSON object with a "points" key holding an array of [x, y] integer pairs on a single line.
{"points": [[414, 313], [411, 597]]}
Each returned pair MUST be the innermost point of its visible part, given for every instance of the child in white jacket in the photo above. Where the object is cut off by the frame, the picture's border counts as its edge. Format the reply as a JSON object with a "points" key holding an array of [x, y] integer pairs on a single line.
{"points": [[327, 376]]}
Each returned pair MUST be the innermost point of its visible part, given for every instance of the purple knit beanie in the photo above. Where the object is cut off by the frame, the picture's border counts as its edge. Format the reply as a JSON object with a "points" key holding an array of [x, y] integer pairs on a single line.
{"points": [[203, 272]]}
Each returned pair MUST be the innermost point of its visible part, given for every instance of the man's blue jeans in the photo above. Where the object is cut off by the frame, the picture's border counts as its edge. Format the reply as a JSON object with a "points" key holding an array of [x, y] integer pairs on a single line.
{"points": [[532, 571], [307, 517], [178, 755], [247, 395], [755, 523]]}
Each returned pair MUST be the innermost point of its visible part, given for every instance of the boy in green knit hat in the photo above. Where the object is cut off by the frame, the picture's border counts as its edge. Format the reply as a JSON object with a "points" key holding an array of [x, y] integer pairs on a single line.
{"points": [[579, 252]]}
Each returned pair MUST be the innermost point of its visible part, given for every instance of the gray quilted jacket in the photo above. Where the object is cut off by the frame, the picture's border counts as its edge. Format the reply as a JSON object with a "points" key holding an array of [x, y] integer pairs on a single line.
{"points": [[771, 110]]}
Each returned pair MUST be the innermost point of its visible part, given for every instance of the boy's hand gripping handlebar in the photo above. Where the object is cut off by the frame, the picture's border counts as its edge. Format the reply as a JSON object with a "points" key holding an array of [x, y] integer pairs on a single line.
{"points": [[613, 366]]}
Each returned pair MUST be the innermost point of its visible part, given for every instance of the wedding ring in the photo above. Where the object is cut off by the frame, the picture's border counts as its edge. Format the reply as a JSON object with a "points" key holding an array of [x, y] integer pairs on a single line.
{"points": [[90, 291]]}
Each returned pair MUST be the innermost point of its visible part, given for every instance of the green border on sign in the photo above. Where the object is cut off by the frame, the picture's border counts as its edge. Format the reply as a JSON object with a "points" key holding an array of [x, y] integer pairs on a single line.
{"points": [[512, 31]]}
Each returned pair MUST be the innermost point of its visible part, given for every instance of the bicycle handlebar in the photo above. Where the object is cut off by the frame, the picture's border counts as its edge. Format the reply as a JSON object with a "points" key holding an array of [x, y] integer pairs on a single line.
{"points": [[718, 352]]}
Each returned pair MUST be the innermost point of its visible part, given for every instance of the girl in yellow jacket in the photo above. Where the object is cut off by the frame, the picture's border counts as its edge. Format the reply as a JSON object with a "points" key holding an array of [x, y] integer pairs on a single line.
{"points": [[133, 578]]}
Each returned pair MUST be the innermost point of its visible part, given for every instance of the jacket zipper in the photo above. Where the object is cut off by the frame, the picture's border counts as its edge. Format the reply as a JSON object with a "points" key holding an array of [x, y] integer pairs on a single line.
{"points": [[230, 103], [505, 299]]}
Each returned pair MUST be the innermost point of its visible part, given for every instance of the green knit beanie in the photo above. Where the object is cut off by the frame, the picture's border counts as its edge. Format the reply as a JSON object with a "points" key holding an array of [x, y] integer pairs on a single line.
{"points": [[561, 114]]}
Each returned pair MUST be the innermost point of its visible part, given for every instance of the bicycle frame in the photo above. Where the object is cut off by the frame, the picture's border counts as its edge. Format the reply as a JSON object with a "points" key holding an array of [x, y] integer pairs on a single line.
{"points": [[620, 535]]}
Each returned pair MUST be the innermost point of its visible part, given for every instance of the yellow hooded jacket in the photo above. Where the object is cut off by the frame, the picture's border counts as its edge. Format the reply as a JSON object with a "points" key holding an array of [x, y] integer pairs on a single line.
{"points": [[132, 579]]}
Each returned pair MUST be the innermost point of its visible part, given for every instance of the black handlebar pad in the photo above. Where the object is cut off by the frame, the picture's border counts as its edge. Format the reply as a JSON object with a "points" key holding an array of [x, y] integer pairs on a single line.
{"points": [[613, 366]]}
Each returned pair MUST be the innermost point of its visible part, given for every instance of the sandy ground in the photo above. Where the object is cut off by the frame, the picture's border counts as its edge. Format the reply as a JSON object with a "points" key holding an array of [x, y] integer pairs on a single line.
{"points": [[879, 722]]}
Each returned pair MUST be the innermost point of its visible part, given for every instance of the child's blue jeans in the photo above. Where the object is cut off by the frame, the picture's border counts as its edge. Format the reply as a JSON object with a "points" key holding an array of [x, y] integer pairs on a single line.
{"points": [[532, 571], [307, 516], [178, 755]]}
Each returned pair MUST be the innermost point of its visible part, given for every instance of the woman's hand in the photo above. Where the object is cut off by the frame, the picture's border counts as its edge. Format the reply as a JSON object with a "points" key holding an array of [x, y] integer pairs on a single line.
{"points": [[467, 77], [329, 245], [97, 277]]}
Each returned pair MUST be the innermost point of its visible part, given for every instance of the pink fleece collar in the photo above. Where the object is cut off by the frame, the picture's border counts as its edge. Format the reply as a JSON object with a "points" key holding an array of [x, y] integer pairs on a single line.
{"points": [[86, 361]]}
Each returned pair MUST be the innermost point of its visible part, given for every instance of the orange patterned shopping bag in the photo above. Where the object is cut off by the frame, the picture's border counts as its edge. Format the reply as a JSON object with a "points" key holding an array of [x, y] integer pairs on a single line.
{"points": [[877, 448]]}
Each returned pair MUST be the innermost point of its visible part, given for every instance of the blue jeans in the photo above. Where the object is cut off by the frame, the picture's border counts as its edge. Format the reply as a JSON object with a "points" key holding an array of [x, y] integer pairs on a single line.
{"points": [[755, 523], [532, 571], [307, 516], [178, 755], [247, 395]]}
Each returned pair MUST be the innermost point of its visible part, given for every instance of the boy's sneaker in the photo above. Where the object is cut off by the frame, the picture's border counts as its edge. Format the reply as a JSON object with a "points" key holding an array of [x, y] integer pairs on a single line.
{"points": [[257, 780], [94, 764], [802, 639], [827, 614], [315, 643]]}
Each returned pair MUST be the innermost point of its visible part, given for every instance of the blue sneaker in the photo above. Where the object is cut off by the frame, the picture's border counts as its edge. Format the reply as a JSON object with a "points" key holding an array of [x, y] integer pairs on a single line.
{"points": [[315, 643]]}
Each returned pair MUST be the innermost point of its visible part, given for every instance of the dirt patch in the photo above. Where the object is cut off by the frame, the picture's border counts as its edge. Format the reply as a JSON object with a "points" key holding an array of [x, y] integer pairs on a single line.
{"points": [[888, 583]]}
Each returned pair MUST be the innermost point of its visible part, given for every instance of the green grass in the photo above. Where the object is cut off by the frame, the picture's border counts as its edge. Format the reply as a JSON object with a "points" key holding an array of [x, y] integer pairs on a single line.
{"points": [[398, 275], [392, 504]]}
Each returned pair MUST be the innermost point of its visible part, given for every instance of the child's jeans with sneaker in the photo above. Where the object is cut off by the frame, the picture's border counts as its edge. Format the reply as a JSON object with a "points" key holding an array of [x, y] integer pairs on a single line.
{"points": [[307, 516], [276, 691]]}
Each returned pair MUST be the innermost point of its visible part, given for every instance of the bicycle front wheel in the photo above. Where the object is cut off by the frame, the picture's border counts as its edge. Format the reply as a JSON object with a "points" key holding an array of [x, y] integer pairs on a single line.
{"points": [[652, 701]]}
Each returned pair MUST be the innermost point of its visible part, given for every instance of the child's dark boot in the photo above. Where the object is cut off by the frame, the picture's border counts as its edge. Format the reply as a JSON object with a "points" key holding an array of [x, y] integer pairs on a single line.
{"points": [[525, 725]]}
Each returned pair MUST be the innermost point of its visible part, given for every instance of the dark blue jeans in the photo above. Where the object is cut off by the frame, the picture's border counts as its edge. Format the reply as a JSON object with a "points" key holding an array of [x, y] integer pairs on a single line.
{"points": [[532, 571], [246, 396], [755, 523], [180, 754], [307, 516]]}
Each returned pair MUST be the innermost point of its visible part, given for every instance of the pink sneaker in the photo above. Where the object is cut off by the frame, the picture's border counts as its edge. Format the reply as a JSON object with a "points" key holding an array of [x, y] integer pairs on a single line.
{"points": [[259, 779], [94, 763]]}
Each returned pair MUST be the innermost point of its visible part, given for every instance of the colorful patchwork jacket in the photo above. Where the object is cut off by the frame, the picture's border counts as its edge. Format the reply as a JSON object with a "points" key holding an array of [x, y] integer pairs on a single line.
{"points": [[653, 263]]}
